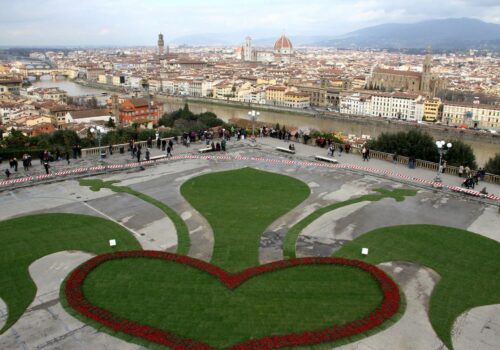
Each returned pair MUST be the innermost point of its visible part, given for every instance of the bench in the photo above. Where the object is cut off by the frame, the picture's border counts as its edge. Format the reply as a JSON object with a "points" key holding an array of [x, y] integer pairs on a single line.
{"points": [[283, 149], [327, 159], [206, 149], [158, 157]]}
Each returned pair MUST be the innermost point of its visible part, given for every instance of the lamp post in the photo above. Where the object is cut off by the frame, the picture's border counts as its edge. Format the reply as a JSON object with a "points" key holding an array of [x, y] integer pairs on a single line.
{"points": [[253, 116], [442, 151], [98, 130]]}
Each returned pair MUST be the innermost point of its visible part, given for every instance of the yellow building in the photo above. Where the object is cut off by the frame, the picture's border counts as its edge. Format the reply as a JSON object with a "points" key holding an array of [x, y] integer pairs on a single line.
{"points": [[432, 110], [294, 99], [42, 119], [275, 95]]}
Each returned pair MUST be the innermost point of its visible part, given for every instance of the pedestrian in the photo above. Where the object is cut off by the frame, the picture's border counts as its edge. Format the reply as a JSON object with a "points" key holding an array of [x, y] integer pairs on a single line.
{"points": [[158, 142], [467, 171], [395, 158], [110, 150], [79, 151], [171, 144], [341, 149], [7, 173], [67, 157], [138, 155], [331, 151], [46, 165], [147, 153], [134, 151], [15, 164], [188, 141], [25, 162], [363, 153], [443, 169], [460, 171], [223, 145], [367, 154], [169, 151]]}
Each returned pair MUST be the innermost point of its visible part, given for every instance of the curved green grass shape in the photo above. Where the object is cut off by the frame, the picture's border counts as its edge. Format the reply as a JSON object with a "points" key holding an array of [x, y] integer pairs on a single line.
{"points": [[293, 233], [29, 238], [183, 242], [240, 205], [468, 263]]}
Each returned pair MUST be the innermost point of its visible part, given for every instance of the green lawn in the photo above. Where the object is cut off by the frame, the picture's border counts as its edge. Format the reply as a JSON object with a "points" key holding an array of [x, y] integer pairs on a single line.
{"points": [[194, 304], [293, 233], [240, 205], [29, 238], [468, 263], [183, 242]]}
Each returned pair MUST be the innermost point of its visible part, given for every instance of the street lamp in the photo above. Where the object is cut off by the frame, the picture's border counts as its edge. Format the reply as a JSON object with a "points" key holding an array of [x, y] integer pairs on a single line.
{"points": [[442, 151], [253, 116], [98, 130]]}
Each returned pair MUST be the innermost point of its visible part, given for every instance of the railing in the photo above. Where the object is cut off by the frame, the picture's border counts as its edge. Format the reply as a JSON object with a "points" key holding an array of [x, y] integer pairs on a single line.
{"points": [[95, 151], [451, 170]]}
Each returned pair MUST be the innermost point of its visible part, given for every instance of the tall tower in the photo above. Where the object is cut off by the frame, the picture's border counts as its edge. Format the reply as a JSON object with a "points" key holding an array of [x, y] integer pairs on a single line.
{"points": [[161, 44], [247, 50], [425, 83]]}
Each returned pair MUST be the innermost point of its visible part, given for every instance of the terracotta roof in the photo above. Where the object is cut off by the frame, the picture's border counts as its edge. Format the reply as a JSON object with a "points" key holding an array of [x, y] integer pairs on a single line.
{"points": [[139, 102], [283, 43], [88, 113], [398, 72], [472, 105]]}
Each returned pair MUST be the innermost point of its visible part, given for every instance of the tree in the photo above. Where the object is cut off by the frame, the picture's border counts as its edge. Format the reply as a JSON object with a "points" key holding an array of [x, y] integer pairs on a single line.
{"points": [[110, 123], [493, 165], [461, 154], [412, 143]]}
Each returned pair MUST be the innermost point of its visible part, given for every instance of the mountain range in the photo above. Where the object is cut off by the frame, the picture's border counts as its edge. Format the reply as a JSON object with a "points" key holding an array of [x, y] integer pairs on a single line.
{"points": [[441, 34]]}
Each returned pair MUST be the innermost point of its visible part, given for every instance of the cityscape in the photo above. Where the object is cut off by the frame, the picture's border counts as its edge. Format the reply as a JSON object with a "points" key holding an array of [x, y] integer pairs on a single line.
{"points": [[213, 175]]}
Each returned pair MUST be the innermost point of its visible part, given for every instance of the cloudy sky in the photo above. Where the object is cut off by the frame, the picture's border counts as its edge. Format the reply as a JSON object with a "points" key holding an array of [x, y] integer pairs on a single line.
{"points": [[137, 22]]}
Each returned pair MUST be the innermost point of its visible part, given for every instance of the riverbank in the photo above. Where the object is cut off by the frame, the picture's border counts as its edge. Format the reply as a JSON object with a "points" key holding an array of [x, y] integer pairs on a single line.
{"points": [[437, 131]]}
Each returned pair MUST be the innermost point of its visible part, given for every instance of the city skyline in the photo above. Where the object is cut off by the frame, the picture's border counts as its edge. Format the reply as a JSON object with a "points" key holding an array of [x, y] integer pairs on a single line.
{"points": [[137, 23]]}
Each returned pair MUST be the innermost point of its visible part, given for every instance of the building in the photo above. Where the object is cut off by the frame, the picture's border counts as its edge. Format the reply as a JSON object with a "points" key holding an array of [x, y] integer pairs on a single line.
{"points": [[87, 116], [473, 115], [295, 99], [248, 53], [275, 95], [405, 80], [10, 85], [432, 110], [355, 103], [395, 105], [137, 110], [161, 45], [283, 50]]}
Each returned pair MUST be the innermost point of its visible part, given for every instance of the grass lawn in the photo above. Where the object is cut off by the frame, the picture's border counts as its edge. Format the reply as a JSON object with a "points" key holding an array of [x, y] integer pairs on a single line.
{"points": [[193, 304], [468, 263], [183, 242], [240, 205], [29, 238], [293, 233]]}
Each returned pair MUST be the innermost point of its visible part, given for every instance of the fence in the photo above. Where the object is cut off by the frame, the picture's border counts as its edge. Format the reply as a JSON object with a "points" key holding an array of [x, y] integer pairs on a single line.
{"points": [[96, 151]]}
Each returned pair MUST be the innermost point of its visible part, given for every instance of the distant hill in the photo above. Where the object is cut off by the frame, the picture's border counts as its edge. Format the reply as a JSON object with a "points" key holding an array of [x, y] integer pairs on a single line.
{"points": [[452, 33]]}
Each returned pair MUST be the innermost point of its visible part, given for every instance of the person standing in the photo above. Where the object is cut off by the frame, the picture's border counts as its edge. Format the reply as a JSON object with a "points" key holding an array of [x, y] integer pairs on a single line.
{"points": [[341, 149], [138, 155], [7, 173], [147, 153], [443, 169], [46, 165], [169, 151], [460, 171], [363, 153], [67, 157], [395, 158]]}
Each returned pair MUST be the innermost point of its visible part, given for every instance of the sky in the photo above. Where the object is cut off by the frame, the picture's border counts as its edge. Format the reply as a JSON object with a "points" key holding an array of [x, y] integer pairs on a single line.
{"points": [[138, 22]]}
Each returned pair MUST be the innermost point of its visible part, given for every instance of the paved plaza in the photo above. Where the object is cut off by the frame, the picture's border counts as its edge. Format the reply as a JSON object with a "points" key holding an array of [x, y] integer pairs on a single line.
{"points": [[46, 325]]}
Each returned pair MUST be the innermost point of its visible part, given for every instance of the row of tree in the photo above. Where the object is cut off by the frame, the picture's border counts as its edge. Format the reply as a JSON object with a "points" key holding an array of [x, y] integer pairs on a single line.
{"points": [[421, 145]]}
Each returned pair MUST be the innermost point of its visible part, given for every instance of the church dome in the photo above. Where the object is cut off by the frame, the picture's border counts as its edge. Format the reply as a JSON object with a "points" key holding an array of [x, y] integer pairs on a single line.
{"points": [[283, 43]]}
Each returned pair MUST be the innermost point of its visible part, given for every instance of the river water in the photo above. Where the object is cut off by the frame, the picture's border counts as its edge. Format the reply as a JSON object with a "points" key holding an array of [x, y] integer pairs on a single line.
{"points": [[72, 88], [482, 150]]}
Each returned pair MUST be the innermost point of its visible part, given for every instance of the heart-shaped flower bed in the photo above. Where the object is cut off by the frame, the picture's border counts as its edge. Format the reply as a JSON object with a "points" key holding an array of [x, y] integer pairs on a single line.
{"points": [[316, 276]]}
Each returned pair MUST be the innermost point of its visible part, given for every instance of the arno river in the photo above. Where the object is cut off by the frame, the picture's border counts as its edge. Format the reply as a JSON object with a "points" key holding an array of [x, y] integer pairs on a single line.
{"points": [[482, 149]]}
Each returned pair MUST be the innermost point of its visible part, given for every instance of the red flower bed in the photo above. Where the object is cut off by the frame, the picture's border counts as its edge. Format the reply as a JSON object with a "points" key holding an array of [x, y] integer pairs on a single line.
{"points": [[389, 306]]}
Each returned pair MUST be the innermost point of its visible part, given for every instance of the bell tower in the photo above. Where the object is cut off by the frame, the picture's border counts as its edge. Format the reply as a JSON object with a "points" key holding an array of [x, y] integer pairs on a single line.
{"points": [[425, 83], [161, 44]]}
